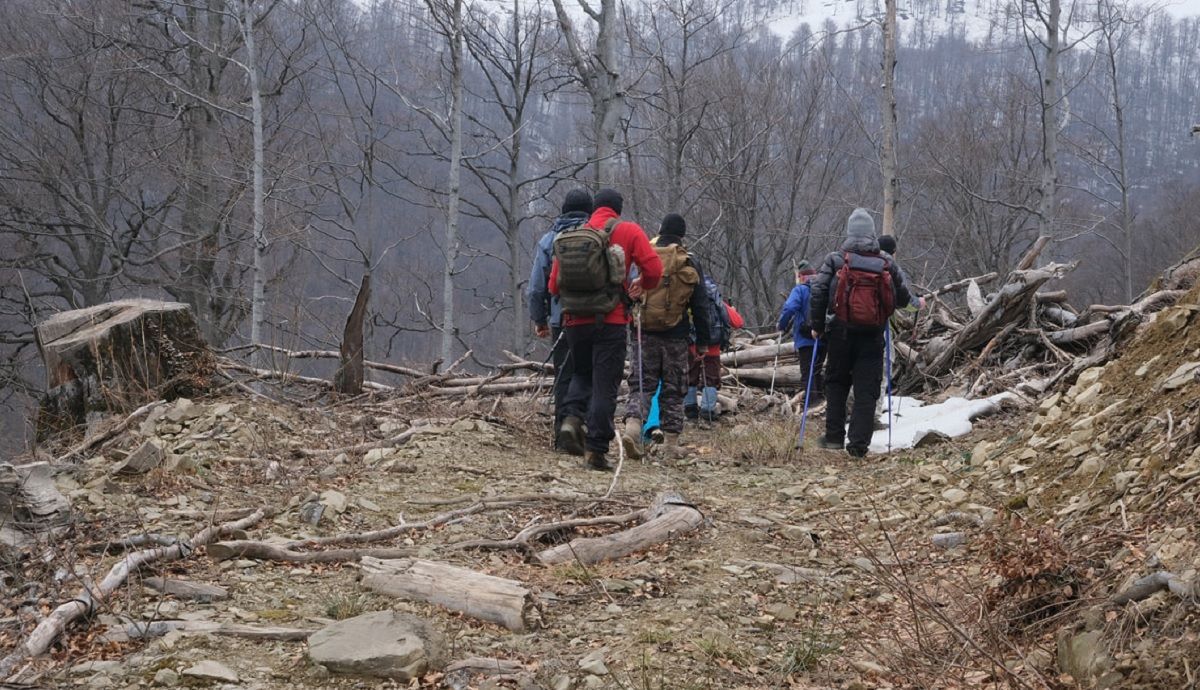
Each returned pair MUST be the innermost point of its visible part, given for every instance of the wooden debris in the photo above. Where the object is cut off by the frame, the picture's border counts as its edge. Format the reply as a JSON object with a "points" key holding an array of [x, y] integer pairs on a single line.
{"points": [[149, 629], [485, 597], [669, 516], [186, 589], [87, 600]]}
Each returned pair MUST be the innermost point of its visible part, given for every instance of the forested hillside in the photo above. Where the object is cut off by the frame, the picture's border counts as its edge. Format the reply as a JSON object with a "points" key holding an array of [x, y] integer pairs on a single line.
{"points": [[255, 160]]}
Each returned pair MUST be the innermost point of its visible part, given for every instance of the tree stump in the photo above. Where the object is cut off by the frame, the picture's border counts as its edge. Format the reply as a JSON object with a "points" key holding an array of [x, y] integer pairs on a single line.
{"points": [[116, 356]]}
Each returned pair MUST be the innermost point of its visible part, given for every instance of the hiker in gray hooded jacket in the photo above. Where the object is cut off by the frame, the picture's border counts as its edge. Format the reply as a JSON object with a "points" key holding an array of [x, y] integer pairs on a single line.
{"points": [[855, 352]]}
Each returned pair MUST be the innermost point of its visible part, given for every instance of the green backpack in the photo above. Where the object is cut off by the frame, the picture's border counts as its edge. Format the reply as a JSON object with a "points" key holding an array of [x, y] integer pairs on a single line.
{"points": [[591, 270]]}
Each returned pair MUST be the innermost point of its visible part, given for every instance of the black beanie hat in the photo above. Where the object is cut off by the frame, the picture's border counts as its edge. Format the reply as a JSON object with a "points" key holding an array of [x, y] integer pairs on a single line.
{"points": [[673, 225], [887, 243], [577, 200], [609, 198]]}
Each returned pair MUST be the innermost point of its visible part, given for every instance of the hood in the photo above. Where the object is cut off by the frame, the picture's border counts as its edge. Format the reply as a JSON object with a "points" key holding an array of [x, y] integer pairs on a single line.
{"points": [[568, 220], [860, 244], [602, 216]]}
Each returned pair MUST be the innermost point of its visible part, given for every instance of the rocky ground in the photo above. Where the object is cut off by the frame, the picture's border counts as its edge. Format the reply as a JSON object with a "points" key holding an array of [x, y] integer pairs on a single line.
{"points": [[990, 561]]}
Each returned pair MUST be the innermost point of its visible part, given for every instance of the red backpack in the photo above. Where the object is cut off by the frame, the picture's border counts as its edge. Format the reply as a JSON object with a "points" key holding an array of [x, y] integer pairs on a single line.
{"points": [[865, 298]]}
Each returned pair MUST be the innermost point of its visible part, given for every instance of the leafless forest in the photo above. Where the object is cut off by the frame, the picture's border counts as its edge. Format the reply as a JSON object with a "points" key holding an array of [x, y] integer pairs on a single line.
{"points": [[256, 159]]}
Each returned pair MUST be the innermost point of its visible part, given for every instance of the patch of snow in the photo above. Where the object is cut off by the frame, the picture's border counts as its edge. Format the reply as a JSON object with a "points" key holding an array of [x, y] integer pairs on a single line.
{"points": [[914, 420]]}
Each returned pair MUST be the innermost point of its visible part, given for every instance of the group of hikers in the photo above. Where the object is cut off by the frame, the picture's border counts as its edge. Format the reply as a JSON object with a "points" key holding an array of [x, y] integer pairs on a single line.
{"points": [[599, 282]]}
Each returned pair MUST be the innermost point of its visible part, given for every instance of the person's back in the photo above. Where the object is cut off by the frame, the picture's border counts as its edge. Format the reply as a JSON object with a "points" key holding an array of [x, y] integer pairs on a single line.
{"points": [[852, 297], [544, 309], [669, 313], [597, 339], [795, 316]]}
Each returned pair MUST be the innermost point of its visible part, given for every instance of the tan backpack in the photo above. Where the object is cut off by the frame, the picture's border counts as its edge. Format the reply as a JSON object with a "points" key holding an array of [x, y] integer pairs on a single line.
{"points": [[667, 303]]}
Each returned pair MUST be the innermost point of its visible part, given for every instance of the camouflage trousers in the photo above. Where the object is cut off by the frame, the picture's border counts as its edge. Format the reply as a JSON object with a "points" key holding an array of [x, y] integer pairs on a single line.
{"points": [[664, 360]]}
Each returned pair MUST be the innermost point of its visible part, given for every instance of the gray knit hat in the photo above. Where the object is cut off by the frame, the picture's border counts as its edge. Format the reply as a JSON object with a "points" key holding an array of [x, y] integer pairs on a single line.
{"points": [[860, 224]]}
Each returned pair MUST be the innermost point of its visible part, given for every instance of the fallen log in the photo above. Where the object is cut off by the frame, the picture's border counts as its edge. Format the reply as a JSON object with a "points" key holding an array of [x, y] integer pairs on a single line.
{"points": [[334, 354], [262, 551], [485, 597], [522, 539], [787, 376], [86, 601], [756, 355], [669, 516], [470, 391], [286, 377], [1144, 587]]}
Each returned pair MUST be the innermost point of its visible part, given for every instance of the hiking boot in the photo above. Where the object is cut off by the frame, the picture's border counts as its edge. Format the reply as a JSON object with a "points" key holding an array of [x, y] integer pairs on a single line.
{"points": [[631, 437], [709, 415], [672, 449], [829, 444], [597, 461], [857, 451], [691, 411], [656, 435], [570, 436]]}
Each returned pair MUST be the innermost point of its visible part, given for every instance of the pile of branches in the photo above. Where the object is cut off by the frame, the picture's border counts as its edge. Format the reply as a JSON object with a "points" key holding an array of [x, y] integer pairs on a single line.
{"points": [[1017, 337]]}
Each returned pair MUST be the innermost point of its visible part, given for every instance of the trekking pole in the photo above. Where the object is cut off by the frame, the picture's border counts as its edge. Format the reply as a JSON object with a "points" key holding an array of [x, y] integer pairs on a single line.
{"points": [[812, 368], [558, 371], [887, 358]]}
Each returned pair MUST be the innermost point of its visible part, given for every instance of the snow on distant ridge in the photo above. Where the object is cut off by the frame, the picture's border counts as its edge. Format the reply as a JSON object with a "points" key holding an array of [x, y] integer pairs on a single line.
{"points": [[976, 20]]}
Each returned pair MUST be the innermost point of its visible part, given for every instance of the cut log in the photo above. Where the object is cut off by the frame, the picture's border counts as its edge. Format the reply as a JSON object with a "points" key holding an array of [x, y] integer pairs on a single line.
{"points": [[756, 355], [226, 550], [29, 500], [785, 376], [118, 356], [485, 597], [669, 516]]}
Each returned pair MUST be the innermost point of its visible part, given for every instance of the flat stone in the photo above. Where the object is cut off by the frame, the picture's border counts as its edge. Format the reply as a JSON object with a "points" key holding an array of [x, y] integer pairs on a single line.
{"points": [[1090, 395], [334, 500], [782, 612], [186, 589], [368, 505], [955, 495], [212, 670], [1186, 373], [377, 455], [382, 644], [593, 663], [143, 459], [1091, 466], [88, 668], [166, 678], [868, 667]]}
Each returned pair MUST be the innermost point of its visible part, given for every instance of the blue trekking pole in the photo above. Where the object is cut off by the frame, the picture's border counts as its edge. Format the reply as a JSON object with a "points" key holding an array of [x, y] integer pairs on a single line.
{"points": [[812, 368], [887, 358]]}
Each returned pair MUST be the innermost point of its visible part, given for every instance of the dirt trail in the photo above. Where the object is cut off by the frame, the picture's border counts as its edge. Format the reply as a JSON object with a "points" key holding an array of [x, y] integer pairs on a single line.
{"points": [[804, 575]]}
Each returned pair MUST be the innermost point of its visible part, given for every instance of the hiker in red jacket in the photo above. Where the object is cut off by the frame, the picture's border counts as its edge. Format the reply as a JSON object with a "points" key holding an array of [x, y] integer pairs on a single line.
{"points": [[597, 340]]}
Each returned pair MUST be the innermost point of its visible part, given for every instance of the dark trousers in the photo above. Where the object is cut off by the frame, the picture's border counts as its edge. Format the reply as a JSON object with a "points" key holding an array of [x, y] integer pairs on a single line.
{"points": [[599, 354], [663, 360], [854, 359], [704, 369], [805, 360], [564, 366]]}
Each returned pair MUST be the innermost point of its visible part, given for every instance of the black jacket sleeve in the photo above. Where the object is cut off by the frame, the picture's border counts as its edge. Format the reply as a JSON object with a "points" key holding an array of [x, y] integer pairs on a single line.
{"points": [[903, 296], [698, 306], [823, 286]]}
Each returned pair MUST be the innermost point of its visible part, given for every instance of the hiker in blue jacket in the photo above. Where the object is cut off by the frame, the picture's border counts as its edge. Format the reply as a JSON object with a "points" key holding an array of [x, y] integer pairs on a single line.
{"points": [[544, 310], [795, 316]]}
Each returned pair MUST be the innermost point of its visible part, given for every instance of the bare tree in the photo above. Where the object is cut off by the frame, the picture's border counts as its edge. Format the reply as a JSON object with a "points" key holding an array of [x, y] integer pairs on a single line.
{"points": [[597, 70], [888, 163]]}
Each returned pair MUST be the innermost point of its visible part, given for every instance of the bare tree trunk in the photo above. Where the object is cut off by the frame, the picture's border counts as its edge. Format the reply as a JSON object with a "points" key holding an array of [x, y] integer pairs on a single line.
{"points": [[888, 163], [1122, 170], [513, 234], [598, 72], [1051, 96], [454, 187], [258, 298]]}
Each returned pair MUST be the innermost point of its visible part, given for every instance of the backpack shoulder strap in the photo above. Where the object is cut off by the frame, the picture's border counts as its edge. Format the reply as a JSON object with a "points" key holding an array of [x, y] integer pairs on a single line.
{"points": [[610, 225]]}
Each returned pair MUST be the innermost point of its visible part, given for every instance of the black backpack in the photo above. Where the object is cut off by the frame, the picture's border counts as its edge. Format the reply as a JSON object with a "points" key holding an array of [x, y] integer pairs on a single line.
{"points": [[719, 327], [591, 270]]}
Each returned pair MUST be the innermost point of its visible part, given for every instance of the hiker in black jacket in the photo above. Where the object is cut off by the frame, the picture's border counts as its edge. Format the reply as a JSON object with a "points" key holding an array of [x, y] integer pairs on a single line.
{"points": [[855, 350]]}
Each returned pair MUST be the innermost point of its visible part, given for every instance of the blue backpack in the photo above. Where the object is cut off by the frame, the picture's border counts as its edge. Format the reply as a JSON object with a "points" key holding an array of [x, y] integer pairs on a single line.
{"points": [[718, 319]]}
